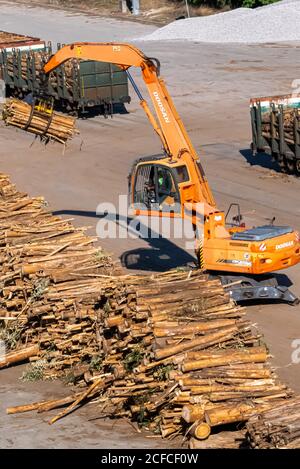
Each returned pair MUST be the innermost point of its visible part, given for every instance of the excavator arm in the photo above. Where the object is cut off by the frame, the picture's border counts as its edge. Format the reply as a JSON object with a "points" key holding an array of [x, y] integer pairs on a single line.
{"points": [[247, 255], [168, 125]]}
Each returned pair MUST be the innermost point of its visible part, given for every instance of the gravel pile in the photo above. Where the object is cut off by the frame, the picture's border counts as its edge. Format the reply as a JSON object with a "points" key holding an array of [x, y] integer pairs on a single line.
{"points": [[271, 23]]}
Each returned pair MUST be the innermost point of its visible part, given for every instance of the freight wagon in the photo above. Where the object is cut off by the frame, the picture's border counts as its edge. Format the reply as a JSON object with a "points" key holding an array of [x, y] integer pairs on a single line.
{"points": [[275, 125], [76, 86]]}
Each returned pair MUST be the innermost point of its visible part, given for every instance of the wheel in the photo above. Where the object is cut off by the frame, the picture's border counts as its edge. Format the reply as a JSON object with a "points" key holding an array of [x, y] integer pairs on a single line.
{"points": [[282, 163], [291, 166], [253, 149]]}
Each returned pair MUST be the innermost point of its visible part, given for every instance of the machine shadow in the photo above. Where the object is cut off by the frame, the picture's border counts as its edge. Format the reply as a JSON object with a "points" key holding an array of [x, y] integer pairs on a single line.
{"points": [[283, 280], [101, 110], [261, 159], [161, 255]]}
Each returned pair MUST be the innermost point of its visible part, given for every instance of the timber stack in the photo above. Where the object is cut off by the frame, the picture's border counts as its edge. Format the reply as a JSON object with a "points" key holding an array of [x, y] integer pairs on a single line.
{"points": [[184, 358], [289, 116], [14, 41], [36, 60], [170, 350], [48, 126], [11, 38], [278, 427], [49, 277]]}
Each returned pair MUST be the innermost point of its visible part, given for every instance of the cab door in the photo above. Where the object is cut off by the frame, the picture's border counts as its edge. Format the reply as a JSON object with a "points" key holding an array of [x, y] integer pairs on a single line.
{"points": [[155, 190]]}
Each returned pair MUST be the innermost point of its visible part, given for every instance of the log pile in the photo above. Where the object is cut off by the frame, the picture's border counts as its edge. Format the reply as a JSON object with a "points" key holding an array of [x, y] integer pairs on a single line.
{"points": [[8, 39], [289, 118], [34, 61], [276, 428], [50, 275], [170, 351], [55, 126], [195, 361]]}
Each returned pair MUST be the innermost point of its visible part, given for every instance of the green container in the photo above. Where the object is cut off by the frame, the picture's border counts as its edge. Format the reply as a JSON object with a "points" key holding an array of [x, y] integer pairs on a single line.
{"points": [[94, 84], [285, 150]]}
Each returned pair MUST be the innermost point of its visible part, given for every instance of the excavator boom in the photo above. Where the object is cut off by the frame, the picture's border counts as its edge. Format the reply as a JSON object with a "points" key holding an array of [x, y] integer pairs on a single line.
{"points": [[170, 129], [177, 177]]}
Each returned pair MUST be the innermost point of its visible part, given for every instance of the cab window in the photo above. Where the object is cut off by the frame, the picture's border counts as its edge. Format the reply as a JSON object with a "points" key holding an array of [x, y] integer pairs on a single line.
{"points": [[167, 193], [144, 187], [182, 174], [155, 187]]}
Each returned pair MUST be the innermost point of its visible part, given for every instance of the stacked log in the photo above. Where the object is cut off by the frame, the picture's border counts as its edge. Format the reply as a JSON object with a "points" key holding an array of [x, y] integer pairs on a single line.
{"points": [[32, 62], [278, 427], [289, 118], [170, 351], [50, 276], [55, 126], [8, 39], [204, 361], [166, 358]]}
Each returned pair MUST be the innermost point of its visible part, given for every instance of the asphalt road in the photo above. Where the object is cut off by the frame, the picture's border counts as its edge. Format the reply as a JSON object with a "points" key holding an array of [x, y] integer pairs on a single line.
{"points": [[211, 86]]}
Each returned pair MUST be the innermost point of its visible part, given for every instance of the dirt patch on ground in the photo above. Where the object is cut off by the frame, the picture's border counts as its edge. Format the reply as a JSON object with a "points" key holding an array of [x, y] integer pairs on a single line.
{"points": [[158, 12]]}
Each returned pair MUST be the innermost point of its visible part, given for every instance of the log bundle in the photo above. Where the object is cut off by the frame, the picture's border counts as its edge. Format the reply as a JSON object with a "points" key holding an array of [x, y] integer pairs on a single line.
{"points": [[57, 126], [184, 358], [278, 427], [32, 63], [291, 117], [50, 275], [170, 351], [8, 39]]}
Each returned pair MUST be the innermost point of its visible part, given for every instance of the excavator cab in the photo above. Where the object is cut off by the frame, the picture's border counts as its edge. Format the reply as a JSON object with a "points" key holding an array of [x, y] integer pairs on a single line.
{"points": [[155, 187]]}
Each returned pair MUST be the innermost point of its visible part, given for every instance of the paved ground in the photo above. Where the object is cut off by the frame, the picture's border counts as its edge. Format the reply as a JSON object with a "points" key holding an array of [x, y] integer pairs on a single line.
{"points": [[211, 86], [83, 429]]}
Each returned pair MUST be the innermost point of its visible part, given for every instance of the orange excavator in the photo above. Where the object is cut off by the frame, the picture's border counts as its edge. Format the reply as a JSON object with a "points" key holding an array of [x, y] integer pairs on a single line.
{"points": [[173, 184]]}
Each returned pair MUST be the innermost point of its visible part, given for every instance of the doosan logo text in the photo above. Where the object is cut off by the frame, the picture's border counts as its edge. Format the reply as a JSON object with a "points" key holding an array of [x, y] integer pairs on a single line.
{"points": [[284, 245], [161, 107]]}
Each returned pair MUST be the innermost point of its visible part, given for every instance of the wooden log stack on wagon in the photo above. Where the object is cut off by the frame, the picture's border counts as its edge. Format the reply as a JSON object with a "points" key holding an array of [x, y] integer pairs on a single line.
{"points": [[290, 121], [13, 41], [33, 62]]}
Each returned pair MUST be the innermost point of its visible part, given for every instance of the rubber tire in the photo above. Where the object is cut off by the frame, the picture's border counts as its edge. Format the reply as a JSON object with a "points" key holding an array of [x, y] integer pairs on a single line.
{"points": [[291, 166], [282, 163]]}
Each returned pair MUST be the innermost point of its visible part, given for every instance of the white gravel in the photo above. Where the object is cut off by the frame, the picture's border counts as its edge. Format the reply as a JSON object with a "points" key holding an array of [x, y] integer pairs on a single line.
{"points": [[278, 22]]}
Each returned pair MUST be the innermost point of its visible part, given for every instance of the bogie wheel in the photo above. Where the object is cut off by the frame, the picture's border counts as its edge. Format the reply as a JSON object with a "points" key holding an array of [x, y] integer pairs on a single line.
{"points": [[282, 163], [297, 168], [291, 166], [253, 149]]}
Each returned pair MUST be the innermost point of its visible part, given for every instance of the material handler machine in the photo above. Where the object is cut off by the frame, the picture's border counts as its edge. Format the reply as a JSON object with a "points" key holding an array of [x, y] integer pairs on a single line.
{"points": [[173, 184]]}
